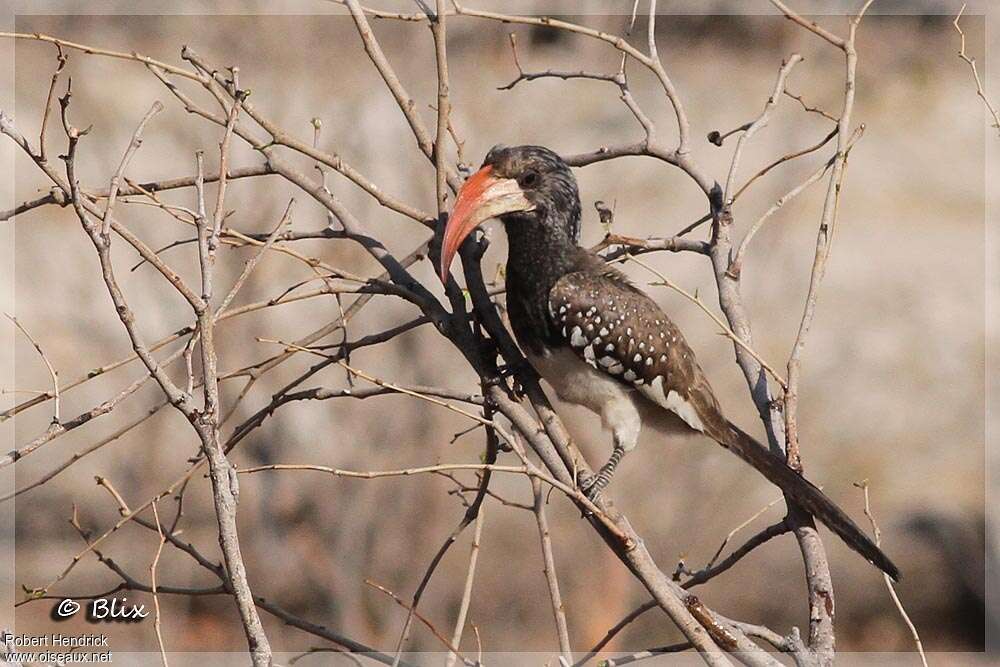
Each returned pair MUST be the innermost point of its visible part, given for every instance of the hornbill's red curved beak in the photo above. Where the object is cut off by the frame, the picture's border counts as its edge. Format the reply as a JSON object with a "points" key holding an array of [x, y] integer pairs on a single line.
{"points": [[482, 197]]}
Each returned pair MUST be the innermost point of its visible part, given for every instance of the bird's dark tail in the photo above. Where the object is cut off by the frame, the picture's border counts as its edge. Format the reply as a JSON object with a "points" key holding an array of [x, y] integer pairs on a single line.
{"points": [[806, 495]]}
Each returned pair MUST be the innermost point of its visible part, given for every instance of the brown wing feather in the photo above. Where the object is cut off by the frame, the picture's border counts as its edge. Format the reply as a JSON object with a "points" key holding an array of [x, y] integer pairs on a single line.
{"points": [[616, 328]]}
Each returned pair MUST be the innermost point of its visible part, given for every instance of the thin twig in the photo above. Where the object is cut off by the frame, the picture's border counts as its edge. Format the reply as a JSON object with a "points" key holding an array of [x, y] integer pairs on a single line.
{"points": [[549, 569], [863, 485], [736, 266], [61, 58], [252, 262], [92, 50], [975, 72], [784, 158], [760, 122], [133, 146], [152, 583], [84, 452], [666, 282], [58, 197], [648, 653], [809, 109], [463, 607], [52, 371], [740, 527], [811, 26], [528, 471], [422, 619], [234, 112]]}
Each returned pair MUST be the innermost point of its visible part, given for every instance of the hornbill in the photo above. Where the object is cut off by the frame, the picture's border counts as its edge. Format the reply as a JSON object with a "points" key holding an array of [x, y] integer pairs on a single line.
{"points": [[596, 338]]}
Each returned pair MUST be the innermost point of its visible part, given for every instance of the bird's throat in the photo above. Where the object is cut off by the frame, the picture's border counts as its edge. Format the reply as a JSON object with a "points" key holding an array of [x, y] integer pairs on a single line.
{"points": [[540, 253]]}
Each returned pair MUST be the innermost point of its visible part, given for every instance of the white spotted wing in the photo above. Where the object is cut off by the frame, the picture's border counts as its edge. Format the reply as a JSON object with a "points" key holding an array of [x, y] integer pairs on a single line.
{"points": [[620, 331]]}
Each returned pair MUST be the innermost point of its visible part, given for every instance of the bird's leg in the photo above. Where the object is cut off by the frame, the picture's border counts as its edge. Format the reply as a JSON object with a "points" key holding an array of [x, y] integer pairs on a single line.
{"points": [[603, 477]]}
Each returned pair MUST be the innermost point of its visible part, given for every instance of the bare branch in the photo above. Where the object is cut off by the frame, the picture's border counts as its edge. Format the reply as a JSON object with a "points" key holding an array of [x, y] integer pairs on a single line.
{"points": [[130, 152], [648, 653], [440, 34], [549, 73], [463, 607], [252, 262], [863, 485], [806, 107], [48, 364], [759, 122], [549, 569], [783, 159], [975, 72], [422, 619], [736, 266], [403, 99], [61, 58], [207, 422], [152, 585], [58, 197], [811, 26], [88, 450], [138, 57]]}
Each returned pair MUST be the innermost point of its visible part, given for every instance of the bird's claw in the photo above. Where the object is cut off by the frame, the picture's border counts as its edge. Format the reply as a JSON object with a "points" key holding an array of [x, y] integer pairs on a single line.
{"points": [[591, 485]]}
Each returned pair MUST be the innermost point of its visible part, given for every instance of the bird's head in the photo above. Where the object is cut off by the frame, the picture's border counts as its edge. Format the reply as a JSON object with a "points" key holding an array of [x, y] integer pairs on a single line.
{"points": [[519, 185]]}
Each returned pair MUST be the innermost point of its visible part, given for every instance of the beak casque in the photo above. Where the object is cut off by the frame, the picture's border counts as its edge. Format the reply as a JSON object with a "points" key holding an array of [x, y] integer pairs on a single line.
{"points": [[482, 197]]}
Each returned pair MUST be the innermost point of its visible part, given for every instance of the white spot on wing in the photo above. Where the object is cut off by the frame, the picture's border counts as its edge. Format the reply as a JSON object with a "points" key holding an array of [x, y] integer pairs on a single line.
{"points": [[674, 402], [576, 338], [683, 409]]}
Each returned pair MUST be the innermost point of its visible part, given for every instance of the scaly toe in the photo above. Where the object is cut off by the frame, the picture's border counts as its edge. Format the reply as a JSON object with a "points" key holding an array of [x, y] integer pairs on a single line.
{"points": [[592, 486]]}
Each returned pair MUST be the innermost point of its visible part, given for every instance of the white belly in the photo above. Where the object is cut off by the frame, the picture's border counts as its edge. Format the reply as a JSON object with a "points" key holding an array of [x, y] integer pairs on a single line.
{"points": [[579, 383], [623, 409]]}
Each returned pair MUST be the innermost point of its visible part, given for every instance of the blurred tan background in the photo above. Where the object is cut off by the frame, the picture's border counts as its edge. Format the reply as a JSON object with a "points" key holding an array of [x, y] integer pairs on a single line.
{"points": [[893, 372]]}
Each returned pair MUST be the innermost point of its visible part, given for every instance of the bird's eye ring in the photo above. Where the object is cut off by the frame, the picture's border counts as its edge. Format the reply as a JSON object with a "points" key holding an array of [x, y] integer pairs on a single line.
{"points": [[528, 179]]}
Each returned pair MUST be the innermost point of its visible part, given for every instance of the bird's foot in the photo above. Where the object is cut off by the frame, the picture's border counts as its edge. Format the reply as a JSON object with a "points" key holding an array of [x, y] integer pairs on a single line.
{"points": [[591, 485]]}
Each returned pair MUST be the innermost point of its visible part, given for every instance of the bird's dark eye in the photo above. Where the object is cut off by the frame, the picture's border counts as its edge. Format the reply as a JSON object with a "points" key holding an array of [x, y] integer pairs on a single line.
{"points": [[528, 179]]}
